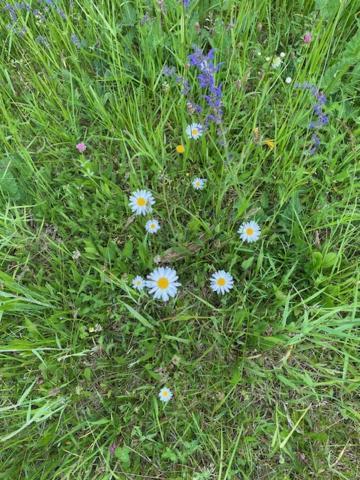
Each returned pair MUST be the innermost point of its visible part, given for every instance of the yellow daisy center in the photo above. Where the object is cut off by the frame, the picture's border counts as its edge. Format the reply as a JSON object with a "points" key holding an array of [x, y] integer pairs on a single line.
{"points": [[141, 201], [249, 231], [165, 393], [152, 226], [163, 283], [197, 183], [221, 282], [180, 149], [194, 131]]}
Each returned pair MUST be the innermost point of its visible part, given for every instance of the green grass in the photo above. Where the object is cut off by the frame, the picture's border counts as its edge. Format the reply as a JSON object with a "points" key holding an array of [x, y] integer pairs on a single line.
{"points": [[266, 378]]}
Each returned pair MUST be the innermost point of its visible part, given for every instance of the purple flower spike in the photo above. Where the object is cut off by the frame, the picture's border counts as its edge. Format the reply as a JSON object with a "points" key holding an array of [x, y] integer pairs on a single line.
{"points": [[212, 93], [206, 78], [322, 119]]}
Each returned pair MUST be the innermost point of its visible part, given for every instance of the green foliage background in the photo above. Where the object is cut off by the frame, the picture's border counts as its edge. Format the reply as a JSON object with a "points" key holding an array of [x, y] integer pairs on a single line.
{"points": [[266, 379]]}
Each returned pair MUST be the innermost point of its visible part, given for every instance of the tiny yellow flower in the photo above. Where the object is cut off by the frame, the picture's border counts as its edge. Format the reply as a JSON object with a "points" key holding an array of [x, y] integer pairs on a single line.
{"points": [[270, 143], [180, 148]]}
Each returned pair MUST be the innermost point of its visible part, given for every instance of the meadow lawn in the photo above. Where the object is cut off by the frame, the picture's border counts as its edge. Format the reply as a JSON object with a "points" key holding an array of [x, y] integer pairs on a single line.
{"points": [[220, 113]]}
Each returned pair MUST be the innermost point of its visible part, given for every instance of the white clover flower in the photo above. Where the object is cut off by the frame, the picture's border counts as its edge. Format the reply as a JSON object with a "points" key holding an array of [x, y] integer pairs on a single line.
{"points": [[152, 226], [282, 54], [276, 63], [141, 202], [249, 232], [76, 254], [138, 283], [221, 282], [199, 183], [288, 80], [165, 395], [194, 131], [162, 283]]}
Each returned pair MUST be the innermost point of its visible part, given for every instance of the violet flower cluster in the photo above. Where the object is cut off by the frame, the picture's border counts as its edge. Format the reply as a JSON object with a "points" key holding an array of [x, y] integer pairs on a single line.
{"points": [[212, 93], [206, 78], [52, 4], [321, 118], [14, 10], [185, 86]]}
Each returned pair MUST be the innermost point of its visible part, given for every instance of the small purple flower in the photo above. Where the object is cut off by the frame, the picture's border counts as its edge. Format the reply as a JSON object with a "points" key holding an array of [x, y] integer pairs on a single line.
{"points": [[317, 109], [315, 144], [145, 18], [307, 38], [186, 3], [185, 84], [41, 40], [320, 97], [12, 12], [196, 57], [315, 139], [206, 80], [81, 147], [193, 107], [168, 71], [75, 40], [61, 13], [323, 119]]}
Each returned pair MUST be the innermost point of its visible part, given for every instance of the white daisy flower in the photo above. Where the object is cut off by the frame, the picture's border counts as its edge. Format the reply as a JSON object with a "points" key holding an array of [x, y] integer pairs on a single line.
{"points": [[165, 394], [138, 283], [276, 62], [221, 282], [288, 79], [152, 226], [162, 283], [195, 130], [282, 54], [199, 183], [141, 201], [249, 232]]}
